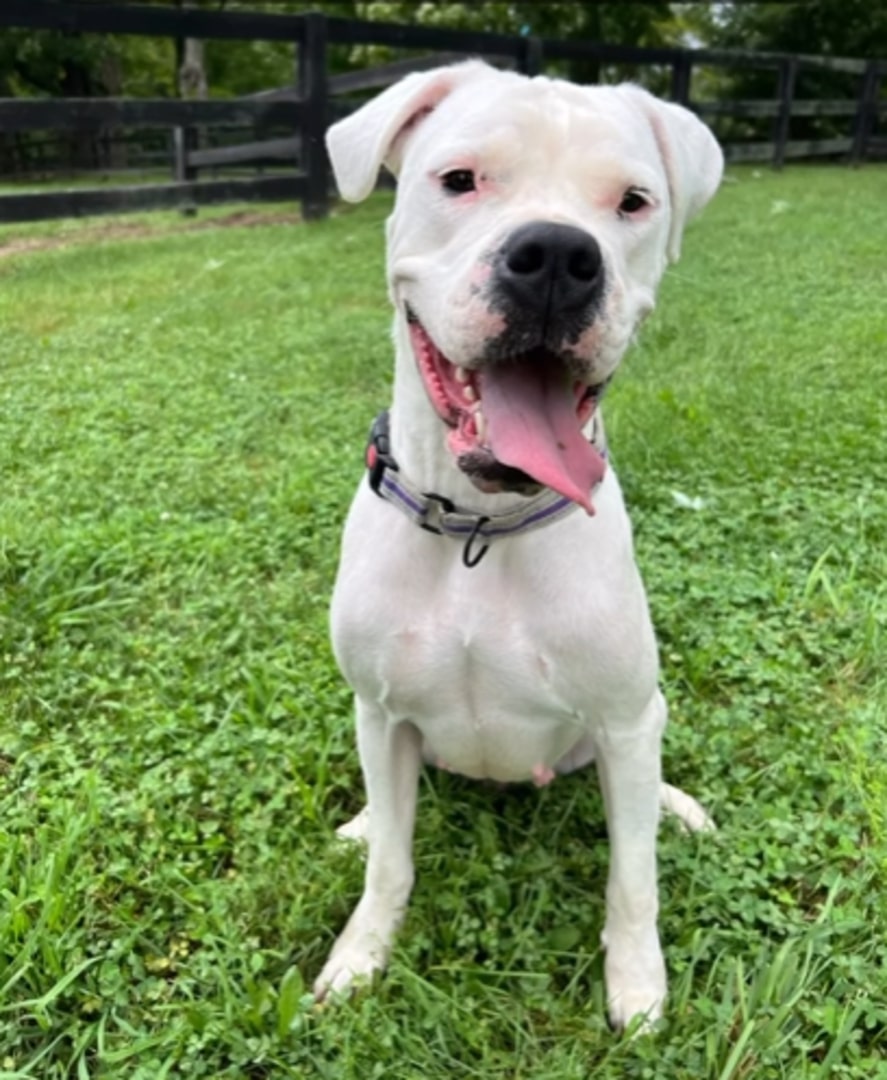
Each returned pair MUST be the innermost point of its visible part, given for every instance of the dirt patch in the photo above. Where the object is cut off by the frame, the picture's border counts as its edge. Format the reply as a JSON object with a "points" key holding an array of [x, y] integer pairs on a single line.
{"points": [[122, 230], [22, 245]]}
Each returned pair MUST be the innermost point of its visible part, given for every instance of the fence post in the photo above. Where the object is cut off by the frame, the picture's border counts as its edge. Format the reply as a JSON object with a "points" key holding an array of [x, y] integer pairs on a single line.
{"points": [[313, 93], [529, 61], [184, 141], [788, 70], [865, 111], [681, 73]]}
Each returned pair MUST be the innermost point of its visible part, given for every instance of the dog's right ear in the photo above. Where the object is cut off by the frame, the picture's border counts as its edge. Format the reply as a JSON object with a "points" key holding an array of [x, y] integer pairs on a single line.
{"points": [[374, 135]]}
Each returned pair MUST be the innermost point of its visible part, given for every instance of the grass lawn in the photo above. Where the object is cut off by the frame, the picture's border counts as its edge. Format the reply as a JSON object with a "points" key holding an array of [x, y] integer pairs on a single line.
{"points": [[183, 417]]}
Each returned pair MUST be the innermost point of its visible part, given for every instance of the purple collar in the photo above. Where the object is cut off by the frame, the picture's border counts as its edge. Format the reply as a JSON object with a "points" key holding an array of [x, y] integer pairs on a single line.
{"points": [[437, 514]]}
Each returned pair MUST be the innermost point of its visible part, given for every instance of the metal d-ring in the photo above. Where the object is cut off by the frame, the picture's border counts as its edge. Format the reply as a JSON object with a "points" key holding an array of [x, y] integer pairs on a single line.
{"points": [[469, 559]]}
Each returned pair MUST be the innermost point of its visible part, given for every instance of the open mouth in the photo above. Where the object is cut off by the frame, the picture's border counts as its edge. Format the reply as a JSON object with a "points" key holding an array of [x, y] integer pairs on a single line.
{"points": [[515, 424]]}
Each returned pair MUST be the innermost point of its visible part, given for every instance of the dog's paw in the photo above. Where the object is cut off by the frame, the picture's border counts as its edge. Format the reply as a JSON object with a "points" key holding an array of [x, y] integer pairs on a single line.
{"points": [[637, 1009], [362, 949], [355, 830], [690, 814], [350, 965], [636, 982]]}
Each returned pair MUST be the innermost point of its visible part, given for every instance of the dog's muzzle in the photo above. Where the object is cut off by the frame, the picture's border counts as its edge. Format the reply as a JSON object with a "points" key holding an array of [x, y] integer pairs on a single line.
{"points": [[517, 412]]}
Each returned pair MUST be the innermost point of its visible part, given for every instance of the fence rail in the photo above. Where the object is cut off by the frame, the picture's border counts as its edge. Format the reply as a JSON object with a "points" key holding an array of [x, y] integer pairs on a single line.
{"points": [[55, 204], [305, 108], [78, 114]]}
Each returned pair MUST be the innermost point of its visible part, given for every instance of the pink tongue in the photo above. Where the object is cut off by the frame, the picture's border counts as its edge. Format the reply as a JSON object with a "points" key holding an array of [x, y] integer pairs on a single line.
{"points": [[531, 422]]}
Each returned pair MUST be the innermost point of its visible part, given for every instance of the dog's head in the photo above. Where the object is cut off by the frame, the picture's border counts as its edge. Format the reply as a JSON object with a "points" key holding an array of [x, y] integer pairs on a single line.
{"points": [[533, 221]]}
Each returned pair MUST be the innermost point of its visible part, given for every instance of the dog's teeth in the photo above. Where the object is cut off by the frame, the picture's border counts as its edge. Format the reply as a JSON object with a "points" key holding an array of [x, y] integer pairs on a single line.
{"points": [[480, 422], [469, 394], [461, 375]]}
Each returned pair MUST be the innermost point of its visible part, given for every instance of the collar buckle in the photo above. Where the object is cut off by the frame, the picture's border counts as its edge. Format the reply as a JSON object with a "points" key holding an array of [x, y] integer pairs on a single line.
{"points": [[433, 521], [438, 505], [378, 451]]}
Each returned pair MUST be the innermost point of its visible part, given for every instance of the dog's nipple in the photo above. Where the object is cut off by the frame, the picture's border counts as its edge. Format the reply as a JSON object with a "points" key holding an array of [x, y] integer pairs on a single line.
{"points": [[542, 775]]}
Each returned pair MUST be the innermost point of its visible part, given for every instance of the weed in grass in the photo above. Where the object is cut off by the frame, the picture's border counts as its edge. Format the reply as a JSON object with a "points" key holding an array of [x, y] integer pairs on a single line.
{"points": [[183, 420]]}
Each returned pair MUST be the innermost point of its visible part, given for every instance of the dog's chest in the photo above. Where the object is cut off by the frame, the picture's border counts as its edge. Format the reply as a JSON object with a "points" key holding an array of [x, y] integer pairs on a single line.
{"points": [[494, 691]]}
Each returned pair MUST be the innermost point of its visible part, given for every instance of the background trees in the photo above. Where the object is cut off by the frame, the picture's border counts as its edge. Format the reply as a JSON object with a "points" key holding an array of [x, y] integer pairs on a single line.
{"points": [[855, 28], [59, 64], [56, 64]]}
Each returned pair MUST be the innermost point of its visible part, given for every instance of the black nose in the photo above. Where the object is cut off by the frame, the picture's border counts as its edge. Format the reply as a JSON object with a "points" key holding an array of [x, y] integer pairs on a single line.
{"points": [[551, 269]]}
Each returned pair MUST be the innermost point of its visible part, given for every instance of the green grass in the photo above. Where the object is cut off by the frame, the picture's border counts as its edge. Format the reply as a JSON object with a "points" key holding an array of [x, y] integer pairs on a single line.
{"points": [[183, 417]]}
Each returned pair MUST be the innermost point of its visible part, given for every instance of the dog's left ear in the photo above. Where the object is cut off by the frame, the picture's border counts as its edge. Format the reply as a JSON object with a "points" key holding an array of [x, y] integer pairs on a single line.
{"points": [[374, 135], [693, 160]]}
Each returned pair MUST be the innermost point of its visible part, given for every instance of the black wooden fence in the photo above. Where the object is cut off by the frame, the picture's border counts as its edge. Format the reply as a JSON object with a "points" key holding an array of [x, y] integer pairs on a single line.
{"points": [[306, 108]]}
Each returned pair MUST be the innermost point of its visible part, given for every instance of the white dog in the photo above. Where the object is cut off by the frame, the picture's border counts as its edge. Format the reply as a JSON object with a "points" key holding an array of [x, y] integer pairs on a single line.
{"points": [[488, 612]]}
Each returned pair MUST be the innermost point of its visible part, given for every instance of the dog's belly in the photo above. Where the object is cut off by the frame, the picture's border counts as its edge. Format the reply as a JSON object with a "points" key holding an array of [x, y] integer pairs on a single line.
{"points": [[499, 747], [487, 720], [489, 705]]}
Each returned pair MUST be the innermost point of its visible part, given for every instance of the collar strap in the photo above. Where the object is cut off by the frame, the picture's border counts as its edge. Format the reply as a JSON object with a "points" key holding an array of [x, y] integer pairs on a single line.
{"points": [[437, 514]]}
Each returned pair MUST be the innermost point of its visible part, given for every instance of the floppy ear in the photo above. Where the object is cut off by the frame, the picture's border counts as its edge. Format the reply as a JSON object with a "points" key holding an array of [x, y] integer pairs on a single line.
{"points": [[693, 161], [373, 136]]}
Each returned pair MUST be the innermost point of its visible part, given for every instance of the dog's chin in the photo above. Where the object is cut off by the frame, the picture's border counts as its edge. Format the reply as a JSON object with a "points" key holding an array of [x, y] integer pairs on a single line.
{"points": [[492, 477]]}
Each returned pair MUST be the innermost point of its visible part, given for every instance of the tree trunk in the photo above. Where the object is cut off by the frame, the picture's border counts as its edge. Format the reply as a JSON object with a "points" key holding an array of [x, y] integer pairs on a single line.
{"points": [[192, 72], [75, 82], [192, 84], [9, 157]]}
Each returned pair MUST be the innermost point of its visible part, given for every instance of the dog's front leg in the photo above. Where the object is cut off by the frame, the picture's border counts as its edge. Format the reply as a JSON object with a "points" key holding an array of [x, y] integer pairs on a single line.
{"points": [[390, 755], [629, 766]]}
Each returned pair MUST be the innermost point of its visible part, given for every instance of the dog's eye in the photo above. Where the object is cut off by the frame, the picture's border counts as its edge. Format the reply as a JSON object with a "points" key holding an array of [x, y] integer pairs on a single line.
{"points": [[632, 202], [458, 181]]}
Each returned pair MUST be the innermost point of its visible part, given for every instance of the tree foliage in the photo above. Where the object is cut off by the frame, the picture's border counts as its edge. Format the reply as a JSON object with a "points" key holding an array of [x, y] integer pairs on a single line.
{"points": [[856, 28], [61, 64], [65, 64], [58, 64], [848, 28]]}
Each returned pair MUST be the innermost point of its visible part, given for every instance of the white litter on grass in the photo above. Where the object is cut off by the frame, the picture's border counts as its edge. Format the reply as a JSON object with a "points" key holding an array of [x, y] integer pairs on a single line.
{"points": [[779, 206], [213, 264], [688, 502]]}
